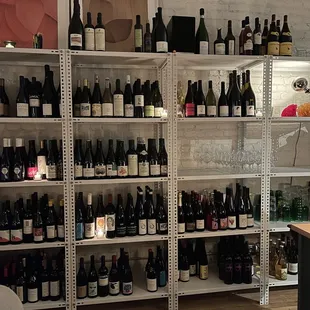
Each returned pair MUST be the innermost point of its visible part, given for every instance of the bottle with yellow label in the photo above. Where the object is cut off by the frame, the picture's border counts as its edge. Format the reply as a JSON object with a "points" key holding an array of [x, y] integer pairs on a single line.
{"points": [[286, 44], [273, 47], [281, 266]]}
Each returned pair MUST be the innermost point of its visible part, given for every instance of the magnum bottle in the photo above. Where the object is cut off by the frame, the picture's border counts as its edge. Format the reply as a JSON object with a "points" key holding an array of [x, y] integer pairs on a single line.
{"points": [[202, 36], [161, 35]]}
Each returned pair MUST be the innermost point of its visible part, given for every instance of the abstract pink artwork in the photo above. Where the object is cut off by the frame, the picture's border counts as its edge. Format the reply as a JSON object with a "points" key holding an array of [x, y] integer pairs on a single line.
{"points": [[21, 19]]}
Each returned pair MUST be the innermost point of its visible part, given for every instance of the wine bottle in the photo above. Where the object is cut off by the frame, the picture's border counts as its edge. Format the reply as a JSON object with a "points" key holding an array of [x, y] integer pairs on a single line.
{"points": [[118, 100], [33, 283], [89, 219], [140, 213], [161, 217], [89, 34], [138, 35], [249, 101], [88, 165], [32, 167], [160, 268], [132, 159], [214, 212], [147, 39], [76, 29], [151, 276], [42, 159], [200, 101], [38, 226], [242, 221], [143, 161], [257, 34], [203, 260], [230, 40], [139, 100], [237, 264], [202, 36], [157, 101], [99, 34], [200, 217], [219, 43], [154, 24], [51, 228], [103, 279], [211, 102], [230, 209], [235, 98], [120, 221], [59, 168], [61, 222], [222, 212], [249, 208], [3, 105], [223, 107], [79, 221], [85, 104], [286, 44], [51, 164], [16, 226], [114, 279], [163, 158], [110, 218], [292, 259], [34, 99], [111, 161], [241, 40], [22, 100], [153, 158], [247, 38], [81, 280], [189, 215], [54, 282], [78, 160], [247, 264], [181, 216], [92, 287], [149, 100], [100, 218], [96, 99], [21, 289], [278, 26], [273, 47], [126, 279], [107, 100], [264, 46], [5, 99], [128, 102], [161, 35], [5, 172], [184, 266], [151, 216], [99, 162], [28, 223], [121, 160], [77, 99], [130, 216], [4, 227], [189, 105]]}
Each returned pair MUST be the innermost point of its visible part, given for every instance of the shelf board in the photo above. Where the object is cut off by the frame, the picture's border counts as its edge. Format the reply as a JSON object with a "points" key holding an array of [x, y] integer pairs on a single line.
{"points": [[291, 280], [289, 119], [212, 285], [45, 305], [219, 233], [116, 120], [31, 246], [119, 181], [29, 120], [135, 239], [30, 184], [219, 119], [290, 172], [212, 174], [281, 226], [139, 293]]}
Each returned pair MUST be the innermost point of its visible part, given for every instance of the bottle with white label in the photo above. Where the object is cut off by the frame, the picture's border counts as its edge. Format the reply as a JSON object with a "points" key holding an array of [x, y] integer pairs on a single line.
{"points": [[150, 212], [141, 216], [47, 94], [248, 99], [184, 267], [51, 163], [88, 164], [247, 38], [85, 105], [149, 108], [161, 35], [78, 160], [16, 226], [99, 34], [89, 219], [96, 99], [81, 280], [200, 101], [286, 45], [235, 97], [33, 282], [157, 100], [128, 99], [34, 99], [76, 29], [138, 35], [100, 165], [92, 279], [77, 99], [61, 222], [257, 34], [107, 109], [4, 226], [223, 107], [21, 288], [143, 161], [153, 158], [22, 100], [219, 43], [28, 223], [202, 36], [138, 99], [45, 280], [211, 102], [51, 223], [54, 282], [230, 40], [151, 275], [110, 213], [132, 158], [89, 34], [118, 100]]}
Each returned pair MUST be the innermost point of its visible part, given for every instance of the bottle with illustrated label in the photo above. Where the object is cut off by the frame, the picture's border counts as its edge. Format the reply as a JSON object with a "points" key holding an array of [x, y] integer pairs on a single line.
{"points": [[149, 108], [126, 277], [100, 218], [96, 101], [103, 279], [111, 161], [85, 105], [99, 34], [118, 100], [32, 282], [51, 164], [107, 100], [222, 212], [248, 99], [273, 44], [88, 163], [200, 101], [5, 166], [114, 279], [153, 158], [241, 39], [61, 222], [143, 160], [81, 281], [223, 107], [19, 168], [132, 159], [147, 39], [235, 103], [257, 35], [54, 282], [213, 219], [230, 209], [51, 222], [76, 29], [161, 35], [161, 217], [189, 105], [138, 35], [89, 34], [42, 159], [219, 44], [128, 99], [35, 109], [99, 162], [139, 100], [211, 102], [38, 227], [110, 218], [77, 99], [45, 280], [89, 219], [247, 38], [121, 160], [92, 287], [32, 166], [120, 220], [230, 41], [78, 160], [140, 213], [286, 45], [151, 215], [202, 36], [22, 100], [242, 221]]}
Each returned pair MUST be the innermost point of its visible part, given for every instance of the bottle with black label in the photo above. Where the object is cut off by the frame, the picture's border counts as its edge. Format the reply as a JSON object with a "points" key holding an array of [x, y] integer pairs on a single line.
{"points": [[89, 34], [219, 43], [138, 35], [88, 164], [128, 101], [257, 34], [89, 219], [81, 281], [235, 97], [103, 279], [22, 100], [99, 34], [96, 99], [120, 221], [76, 29], [92, 287], [140, 213], [230, 40], [118, 100]]}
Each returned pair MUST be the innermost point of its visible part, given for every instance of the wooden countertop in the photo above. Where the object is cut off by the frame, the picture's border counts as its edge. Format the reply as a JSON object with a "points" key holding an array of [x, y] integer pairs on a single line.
{"points": [[302, 229]]}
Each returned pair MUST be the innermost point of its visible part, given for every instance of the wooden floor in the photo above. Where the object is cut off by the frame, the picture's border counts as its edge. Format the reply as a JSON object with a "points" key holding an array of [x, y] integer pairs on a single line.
{"points": [[285, 299]]}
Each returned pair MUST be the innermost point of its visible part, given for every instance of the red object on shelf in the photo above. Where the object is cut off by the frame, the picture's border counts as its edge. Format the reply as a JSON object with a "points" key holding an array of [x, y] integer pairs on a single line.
{"points": [[290, 111]]}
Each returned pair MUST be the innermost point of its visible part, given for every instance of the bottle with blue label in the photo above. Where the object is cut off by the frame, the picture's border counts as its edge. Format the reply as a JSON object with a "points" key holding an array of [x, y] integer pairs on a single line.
{"points": [[160, 268]]}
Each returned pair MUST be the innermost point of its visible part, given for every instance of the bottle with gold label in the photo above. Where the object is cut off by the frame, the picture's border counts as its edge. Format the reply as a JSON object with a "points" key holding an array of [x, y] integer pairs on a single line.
{"points": [[281, 266], [203, 260], [273, 47], [286, 44]]}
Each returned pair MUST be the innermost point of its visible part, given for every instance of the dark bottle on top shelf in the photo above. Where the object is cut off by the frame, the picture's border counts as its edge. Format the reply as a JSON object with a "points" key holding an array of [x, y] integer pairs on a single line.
{"points": [[230, 40], [202, 36], [138, 35], [263, 48], [99, 34], [103, 279], [89, 34], [154, 24], [76, 29], [273, 45], [4, 100], [5, 172], [22, 100], [257, 35], [219, 44], [247, 38], [286, 45], [161, 35], [110, 217], [81, 281], [147, 39]]}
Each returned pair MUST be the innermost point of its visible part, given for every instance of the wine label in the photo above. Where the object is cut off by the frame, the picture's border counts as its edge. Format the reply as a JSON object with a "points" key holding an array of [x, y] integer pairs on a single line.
{"points": [[155, 170], [181, 228], [215, 224], [55, 288], [92, 289], [114, 287], [237, 110], [281, 273], [77, 110], [201, 110], [121, 230], [224, 111], [85, 109], [61, 231], [100, 39], [22, 109], [163, 227], [100, 226], [76, 40], [118, 105], [203, 272], [274, 48], [250, 220], [190, 226], [31, 172], [4, 236], [51, 172], [250, 109], [38, 234], [131, 229], [138, 38], [112, 170], [162, 278], [27, 230], [122, 171], [220, 49], [78, 171], [89, 39], [151, 226], [258, 38], [139, 100], [16, 235], [223, 223], [5, 172], [20, 293], [107, 109], [82, 291], [144, 169], [204, 47], [192, 270], [45, 286], [248, 45], [79, 234], [231, 47], [89, 230], [161, 47], [47, 109], [211, 110], [232, 223], [164, 170], [293, 268], [132, 165], [103, 280], [2, 107], [96, 109], [159, 111], [88, 172], [243, 221], [129, 110], [127, 288], [41, 164], [286, 48], [184, 275], [100, 171], [32, 294], [34, 102], [200, 224], [142, 227], [190, 109], [50, 232], [151, 285], [110, 219], [149, 111]]}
